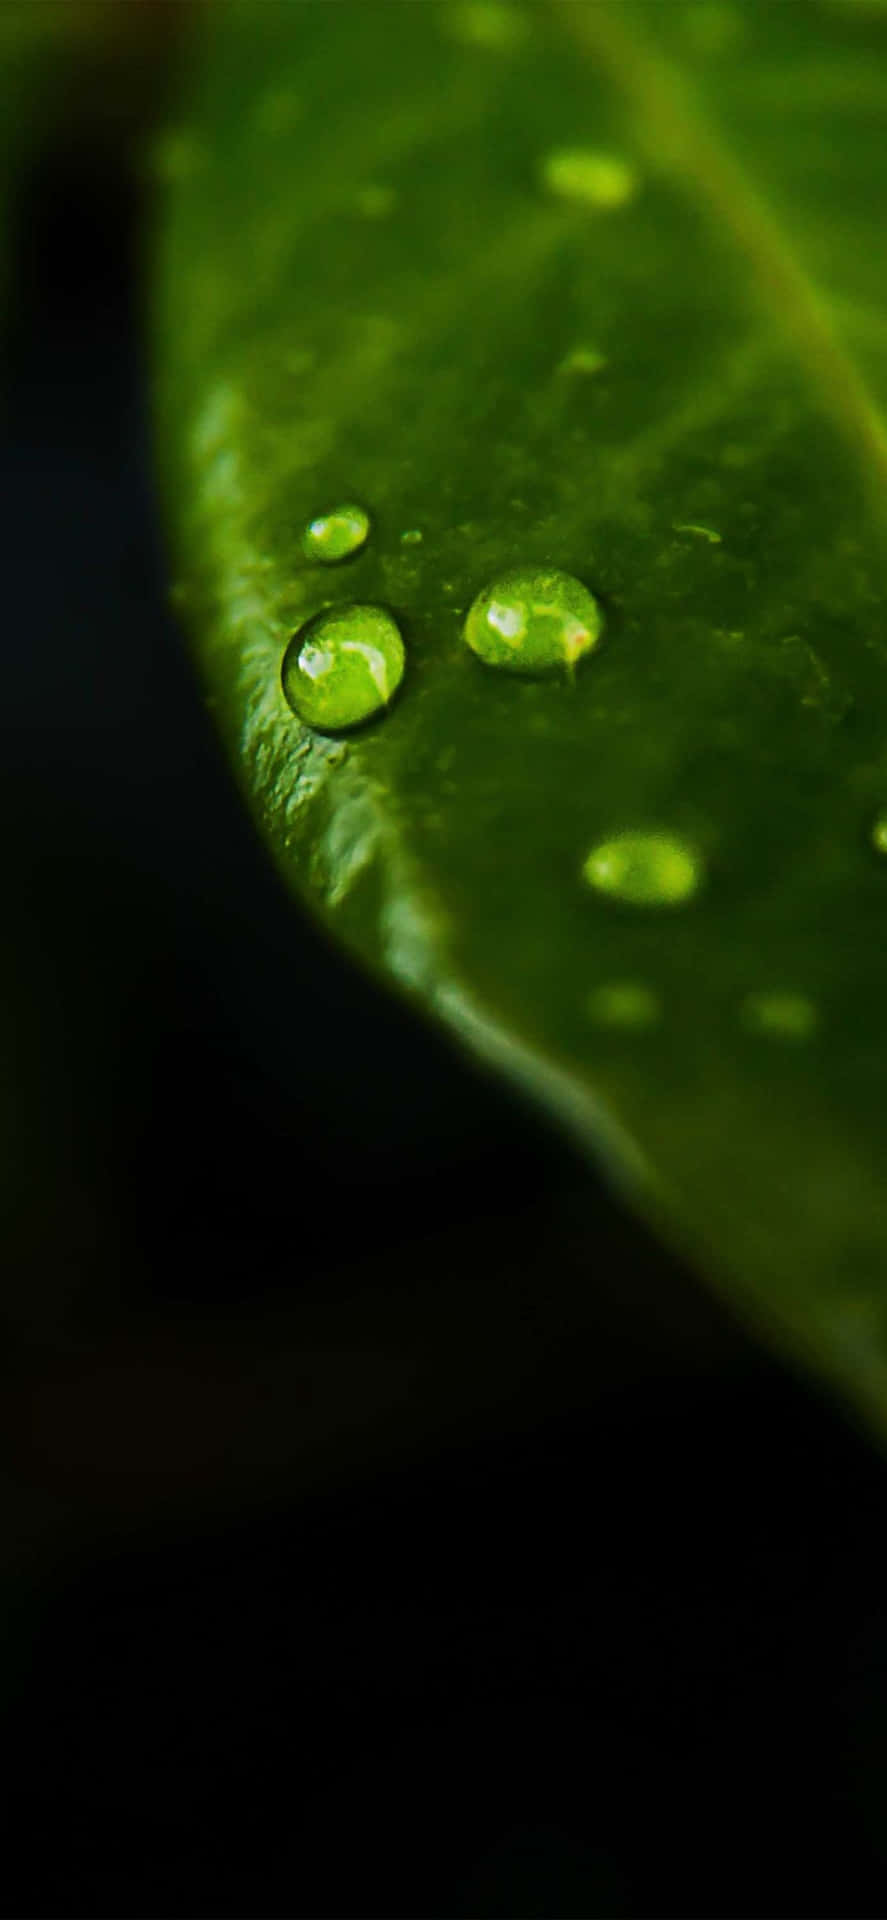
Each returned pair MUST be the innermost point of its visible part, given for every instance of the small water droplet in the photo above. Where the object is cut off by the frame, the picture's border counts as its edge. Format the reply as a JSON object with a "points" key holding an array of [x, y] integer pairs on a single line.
{"points": [[644, 869], [625, 1004], [343, 666], [412, 537], [582, 360], [601, 180], [784, 1016], [533, 619], [336, 535], [879, 833]]}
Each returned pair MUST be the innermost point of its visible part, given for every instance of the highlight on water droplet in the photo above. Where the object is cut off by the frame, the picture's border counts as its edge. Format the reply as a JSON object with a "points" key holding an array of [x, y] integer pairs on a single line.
{"points": [[602, 180], [343, 666], [336, 535], [644, 869], [779, 1015], [624, 1004], [878, 835], [533, 620]]}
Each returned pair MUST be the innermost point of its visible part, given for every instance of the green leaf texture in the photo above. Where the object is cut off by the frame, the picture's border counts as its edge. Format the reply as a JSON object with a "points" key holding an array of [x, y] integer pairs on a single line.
{"points": [[386, 279]]}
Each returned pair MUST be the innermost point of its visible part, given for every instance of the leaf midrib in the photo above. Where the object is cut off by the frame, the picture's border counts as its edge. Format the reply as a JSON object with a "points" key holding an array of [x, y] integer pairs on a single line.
{"points": [[676, 133]]}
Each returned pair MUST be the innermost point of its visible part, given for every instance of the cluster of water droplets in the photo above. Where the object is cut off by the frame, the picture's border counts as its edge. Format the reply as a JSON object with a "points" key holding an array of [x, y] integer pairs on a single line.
{"points": [[345, 664], [343, 667]]}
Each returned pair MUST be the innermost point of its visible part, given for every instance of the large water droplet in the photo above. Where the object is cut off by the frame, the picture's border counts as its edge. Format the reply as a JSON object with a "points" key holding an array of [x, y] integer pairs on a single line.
{"points": [[782, 1016], [343, 666], [644, 869], [625, 1004], [532, 620], [601, 180], [337, 534]]}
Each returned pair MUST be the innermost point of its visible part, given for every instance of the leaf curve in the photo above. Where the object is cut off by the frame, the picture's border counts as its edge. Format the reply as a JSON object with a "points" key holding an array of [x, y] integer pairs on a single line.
{"points": [[381, 282]]}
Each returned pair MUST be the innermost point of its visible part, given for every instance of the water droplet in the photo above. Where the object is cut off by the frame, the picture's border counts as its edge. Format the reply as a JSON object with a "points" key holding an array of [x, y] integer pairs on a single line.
{"points": [[879, 833], [343, 666], [601, 180], [625, 1004], [784, 1016], [336, 535], [412, 537], [486, 23], [644, 869], [532, 620], [582, 360]]}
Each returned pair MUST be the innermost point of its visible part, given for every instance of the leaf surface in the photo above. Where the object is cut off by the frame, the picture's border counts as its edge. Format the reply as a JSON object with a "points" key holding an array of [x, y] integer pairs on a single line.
{"points": [[661, 369]]}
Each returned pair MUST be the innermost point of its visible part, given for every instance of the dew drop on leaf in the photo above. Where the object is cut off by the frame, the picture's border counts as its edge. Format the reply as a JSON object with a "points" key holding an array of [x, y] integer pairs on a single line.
{"points": [[625, 1004], [343, 666], [336, 535], [601, 180], [412, 537], [532, 620], [782, 1016], [644, 869]]}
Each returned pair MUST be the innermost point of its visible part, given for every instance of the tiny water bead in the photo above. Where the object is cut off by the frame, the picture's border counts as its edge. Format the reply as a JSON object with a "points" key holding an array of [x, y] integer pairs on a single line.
{"points": [[336, 535], [343, 666], [601, 180], [624, 1004], [533, 620], [644, 869], [779, 1015], [412, 537]]}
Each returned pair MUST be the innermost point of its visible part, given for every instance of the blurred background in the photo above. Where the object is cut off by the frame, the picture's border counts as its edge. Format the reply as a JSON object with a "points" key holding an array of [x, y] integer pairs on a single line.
{"points": [[389, 1525]]}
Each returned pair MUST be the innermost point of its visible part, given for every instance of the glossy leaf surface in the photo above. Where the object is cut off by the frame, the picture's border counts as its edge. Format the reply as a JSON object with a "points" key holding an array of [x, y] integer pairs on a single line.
{"points": [[596, 289]]}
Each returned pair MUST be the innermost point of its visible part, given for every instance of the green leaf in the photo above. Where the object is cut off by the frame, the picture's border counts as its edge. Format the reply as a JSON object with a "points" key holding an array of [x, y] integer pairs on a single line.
{"points": [[597, 289]]}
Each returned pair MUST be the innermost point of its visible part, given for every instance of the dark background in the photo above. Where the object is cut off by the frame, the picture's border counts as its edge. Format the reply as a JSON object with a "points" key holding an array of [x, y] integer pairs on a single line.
{"points": [[389, 1526]]}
